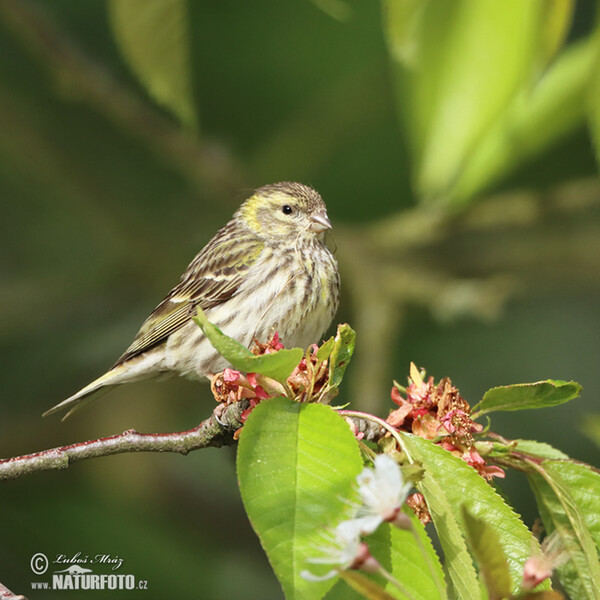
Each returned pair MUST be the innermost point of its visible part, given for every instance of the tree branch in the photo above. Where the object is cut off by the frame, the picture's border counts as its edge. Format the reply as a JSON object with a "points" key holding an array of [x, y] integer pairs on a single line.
{"points": [[424, 257], [215, 431], [6, 594]]}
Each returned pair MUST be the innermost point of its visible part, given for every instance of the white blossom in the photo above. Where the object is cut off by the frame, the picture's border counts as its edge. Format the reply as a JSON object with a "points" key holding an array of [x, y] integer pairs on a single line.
{"points": [[383, 491], [342, 549]]}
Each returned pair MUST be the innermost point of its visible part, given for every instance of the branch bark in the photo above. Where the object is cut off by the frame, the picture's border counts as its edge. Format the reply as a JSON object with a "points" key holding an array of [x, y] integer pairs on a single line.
{"points": [[6, 594], [425, 257], [216, 431]]}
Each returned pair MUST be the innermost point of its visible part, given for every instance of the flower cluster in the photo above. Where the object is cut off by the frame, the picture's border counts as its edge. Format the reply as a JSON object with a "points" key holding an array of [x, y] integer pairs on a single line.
{"points": [[307, 382], [382, 491], [438, 412], [273, 345], [231, 386]]}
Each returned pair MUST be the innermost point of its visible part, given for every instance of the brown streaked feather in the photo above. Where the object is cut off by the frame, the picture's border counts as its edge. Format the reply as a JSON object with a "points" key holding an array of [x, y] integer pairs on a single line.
{"points": [[212, 278]]}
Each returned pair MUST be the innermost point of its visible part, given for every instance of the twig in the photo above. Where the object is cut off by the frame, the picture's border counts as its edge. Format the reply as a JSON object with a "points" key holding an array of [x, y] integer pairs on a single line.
{"points": [[215, 431], [6, 594], [370, 430], [424, 257]]}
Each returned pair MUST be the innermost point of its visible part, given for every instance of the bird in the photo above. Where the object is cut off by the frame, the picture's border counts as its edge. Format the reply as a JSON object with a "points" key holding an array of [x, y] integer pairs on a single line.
{"points": [[267, 270]]}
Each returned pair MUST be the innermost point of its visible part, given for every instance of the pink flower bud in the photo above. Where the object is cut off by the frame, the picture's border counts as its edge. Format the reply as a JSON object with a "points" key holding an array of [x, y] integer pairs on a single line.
{"points": [[231, 375]]}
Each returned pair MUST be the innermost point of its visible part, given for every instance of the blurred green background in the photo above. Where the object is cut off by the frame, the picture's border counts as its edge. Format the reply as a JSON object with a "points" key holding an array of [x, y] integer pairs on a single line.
{"points": [[453, 144]]}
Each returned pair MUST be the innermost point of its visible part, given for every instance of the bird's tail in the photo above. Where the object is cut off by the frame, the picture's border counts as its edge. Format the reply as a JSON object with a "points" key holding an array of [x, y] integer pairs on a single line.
{"points": [[135, 369], [83, 397]]}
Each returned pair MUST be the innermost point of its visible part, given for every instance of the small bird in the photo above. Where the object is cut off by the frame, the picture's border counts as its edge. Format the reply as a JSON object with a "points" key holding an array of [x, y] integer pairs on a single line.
{"points": [[267, 270]]}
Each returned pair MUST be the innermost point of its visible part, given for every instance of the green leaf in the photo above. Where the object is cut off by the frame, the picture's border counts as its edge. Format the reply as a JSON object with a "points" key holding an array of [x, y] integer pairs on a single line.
{"points": [[538, 449], [584, 486], [591, 428], [296, 465], [409, 557], [324, 351], [555, 22], [571, 510], [473, 58], [341, 353], [365, 587], [402, 29], [536, 119], [412, 559], [278, 365], [527, 395], [489, 554], [444, 516], [153, 37], [449, 484], [593, 104], [336, 9]]}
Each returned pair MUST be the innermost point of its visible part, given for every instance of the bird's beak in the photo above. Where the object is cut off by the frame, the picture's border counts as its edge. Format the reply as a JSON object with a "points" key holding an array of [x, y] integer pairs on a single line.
{"points": [[320, 222]]}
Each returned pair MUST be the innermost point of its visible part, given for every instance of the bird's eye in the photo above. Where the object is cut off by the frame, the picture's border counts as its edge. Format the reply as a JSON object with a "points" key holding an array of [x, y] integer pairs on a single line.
{"points": [[286, 209]]}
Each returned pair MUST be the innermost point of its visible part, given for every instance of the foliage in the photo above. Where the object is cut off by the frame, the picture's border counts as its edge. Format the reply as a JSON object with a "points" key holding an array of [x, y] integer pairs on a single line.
{"points": [[463, 141], [278, 365], [468, 124], [111, 183], [153, 37], [297, 463]]}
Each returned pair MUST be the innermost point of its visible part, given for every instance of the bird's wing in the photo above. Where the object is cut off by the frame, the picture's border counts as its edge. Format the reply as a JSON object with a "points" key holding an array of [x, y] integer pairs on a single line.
{"points": [[211, 279]]}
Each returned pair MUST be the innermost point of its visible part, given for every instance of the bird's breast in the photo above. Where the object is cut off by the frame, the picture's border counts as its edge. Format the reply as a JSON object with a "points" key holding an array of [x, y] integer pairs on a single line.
{"points": [[294, 293]]}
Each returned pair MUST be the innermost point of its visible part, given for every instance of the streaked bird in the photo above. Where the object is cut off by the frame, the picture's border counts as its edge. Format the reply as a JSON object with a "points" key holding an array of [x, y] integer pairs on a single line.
{"points": [[268, 269]]}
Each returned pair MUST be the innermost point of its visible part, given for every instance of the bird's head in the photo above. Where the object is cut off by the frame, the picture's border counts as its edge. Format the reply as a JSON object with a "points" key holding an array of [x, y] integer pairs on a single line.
{"points": [[285, 211]]}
